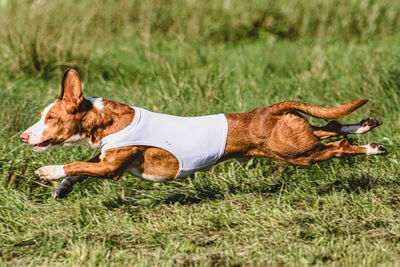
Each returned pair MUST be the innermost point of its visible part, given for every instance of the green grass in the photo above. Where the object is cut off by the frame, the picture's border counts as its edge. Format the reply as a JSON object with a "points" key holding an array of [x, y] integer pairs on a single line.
{"points": [[191, 58]]}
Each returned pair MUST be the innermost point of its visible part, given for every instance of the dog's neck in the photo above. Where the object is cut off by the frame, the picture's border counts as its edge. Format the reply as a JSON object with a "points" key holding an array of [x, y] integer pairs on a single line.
{"points": [[100, 118]]}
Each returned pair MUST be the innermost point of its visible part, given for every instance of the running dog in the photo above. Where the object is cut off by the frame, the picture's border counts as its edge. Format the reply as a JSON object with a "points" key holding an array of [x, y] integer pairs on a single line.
{"points": [[160, 147]]}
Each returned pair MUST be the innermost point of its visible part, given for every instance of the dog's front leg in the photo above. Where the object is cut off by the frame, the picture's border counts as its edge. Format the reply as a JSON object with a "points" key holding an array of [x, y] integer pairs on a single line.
{"points": [[111, 165], [53, 172], [101, 169], [67, 185]]}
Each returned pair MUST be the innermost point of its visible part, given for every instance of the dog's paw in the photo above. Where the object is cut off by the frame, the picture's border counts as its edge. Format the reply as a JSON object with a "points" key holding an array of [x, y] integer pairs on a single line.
{"points": [[375, 149], [64, 188], [51, 172], [370, 123]]}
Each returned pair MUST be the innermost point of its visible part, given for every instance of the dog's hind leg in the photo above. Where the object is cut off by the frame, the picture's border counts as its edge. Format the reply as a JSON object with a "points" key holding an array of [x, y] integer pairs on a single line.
{"points": [[334, 128], [337, 149]]}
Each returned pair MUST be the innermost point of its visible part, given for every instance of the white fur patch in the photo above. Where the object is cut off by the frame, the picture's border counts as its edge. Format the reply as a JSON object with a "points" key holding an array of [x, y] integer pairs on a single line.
{"points": [[36, 130], [147, 177], [51, 172], [355, 129], [372, 150], [97, 102], [102, 155]]}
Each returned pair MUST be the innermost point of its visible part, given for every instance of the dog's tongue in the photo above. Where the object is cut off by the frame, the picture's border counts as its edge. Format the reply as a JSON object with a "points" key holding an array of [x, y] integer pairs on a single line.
{"points": [[42, 146]]}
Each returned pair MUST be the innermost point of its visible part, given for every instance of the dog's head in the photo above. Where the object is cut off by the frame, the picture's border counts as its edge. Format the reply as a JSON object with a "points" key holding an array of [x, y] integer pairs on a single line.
{"points": [[59, 123]]}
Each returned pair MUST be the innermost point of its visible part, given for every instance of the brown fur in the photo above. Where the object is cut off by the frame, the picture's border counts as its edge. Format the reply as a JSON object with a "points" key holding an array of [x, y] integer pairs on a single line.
{"points": [[280, 132]]}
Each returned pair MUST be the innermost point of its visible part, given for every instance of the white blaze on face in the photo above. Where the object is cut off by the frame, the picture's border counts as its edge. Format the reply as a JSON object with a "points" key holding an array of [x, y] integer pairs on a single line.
{"points": [[36, 130]]}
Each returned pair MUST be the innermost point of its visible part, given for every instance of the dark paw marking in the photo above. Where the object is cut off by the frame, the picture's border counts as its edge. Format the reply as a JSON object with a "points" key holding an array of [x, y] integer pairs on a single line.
{"points": [[371, 122], [382, 150], [373, 145], [64, 188]]}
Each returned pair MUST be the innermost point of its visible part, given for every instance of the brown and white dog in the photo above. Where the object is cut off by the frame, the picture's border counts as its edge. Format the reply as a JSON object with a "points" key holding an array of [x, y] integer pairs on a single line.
{"points": [[276, 131]]}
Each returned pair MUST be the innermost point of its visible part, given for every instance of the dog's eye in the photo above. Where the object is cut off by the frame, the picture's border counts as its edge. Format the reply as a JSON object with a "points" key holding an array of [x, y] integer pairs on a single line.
{"points": [[50, 117]]}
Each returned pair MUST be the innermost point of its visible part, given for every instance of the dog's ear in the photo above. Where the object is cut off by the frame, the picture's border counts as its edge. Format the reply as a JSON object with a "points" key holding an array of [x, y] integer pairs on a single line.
{"points": [[71, 90]]}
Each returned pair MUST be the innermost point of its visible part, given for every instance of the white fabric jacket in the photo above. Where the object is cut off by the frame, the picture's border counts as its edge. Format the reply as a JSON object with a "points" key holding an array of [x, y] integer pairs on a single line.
{"points": [[197, 142]]}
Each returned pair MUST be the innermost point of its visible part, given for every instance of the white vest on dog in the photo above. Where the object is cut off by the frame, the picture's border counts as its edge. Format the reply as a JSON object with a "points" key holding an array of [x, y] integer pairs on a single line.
{"points": [[197, 142]]}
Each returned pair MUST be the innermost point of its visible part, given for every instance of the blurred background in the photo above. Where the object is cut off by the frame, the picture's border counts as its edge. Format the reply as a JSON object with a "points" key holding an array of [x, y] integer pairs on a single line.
{"points": [[41, 37]]}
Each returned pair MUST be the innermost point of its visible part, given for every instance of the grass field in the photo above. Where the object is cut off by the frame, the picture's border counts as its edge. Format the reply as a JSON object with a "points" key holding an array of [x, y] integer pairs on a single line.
{"points": [[189, 58]]}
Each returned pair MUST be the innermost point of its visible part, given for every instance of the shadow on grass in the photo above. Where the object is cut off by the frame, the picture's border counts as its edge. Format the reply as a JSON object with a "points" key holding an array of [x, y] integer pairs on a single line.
{"points": [[181, 195], [263, 177], [359, 184]]}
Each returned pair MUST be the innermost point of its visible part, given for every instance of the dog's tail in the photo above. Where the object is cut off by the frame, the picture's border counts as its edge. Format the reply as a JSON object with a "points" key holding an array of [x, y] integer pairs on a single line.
{"points": [[318, 112]]}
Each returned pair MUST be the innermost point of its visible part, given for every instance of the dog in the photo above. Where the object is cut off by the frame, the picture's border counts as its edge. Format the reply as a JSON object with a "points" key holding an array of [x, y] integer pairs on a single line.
{"points": [[160, 147]]}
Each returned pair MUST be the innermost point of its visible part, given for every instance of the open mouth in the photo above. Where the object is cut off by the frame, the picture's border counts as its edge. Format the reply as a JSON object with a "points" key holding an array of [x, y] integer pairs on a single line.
{"points": [[42, 146]]}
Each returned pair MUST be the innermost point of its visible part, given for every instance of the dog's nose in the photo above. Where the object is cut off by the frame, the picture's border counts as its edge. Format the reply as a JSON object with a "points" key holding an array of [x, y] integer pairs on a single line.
{"points": [[25, 137]]}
